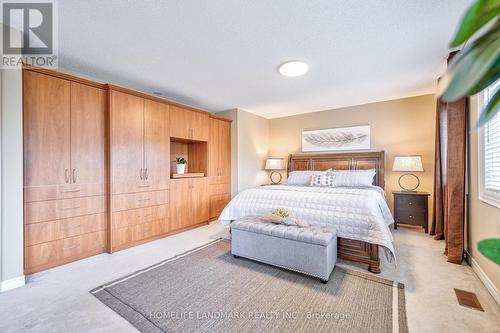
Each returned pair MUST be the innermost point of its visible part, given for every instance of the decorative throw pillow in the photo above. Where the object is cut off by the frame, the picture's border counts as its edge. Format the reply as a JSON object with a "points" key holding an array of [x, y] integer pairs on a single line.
{"points": [[302, 177], [354, 178], [325, 180]]}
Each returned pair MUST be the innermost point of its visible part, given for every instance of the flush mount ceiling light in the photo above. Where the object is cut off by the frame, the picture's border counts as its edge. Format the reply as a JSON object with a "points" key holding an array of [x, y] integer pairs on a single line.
{"points": [[293, 68]]}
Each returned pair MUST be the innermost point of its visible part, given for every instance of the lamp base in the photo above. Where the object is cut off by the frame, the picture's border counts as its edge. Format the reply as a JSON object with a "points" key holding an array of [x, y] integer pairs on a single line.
{"points": [[272, 180], [406, 189]]}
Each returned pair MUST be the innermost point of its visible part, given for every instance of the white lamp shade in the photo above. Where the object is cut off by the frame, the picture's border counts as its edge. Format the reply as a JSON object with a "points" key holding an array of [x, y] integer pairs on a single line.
{"points": [[274, 164], [408, 164]]}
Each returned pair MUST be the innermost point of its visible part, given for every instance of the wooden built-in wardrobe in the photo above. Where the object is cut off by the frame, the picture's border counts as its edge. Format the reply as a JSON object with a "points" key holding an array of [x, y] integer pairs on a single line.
{"points": [[64, 170], [99, 168]]}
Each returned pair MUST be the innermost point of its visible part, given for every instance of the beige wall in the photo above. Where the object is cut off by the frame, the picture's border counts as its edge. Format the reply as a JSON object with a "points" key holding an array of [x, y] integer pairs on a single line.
{"points": [[403, 126], [483, 220], [249, 149]]}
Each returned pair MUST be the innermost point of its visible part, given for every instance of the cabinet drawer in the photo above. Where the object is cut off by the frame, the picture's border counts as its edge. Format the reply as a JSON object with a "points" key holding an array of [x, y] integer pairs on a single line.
{"points": [[59, 209], [161, 226], [42, 232], [139, 186], [78, 245], [81, 225], [216, 189], [413, 203], [62, 191], [121, 236], [37, 233], [142, 231], [139, 200], [41, 254], [220, 180], [140, 215], [411, 217]]}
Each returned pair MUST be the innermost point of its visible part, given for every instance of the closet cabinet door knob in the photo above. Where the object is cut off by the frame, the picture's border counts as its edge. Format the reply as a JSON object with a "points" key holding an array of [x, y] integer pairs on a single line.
{"points": [[66, 175], [74, 175]]}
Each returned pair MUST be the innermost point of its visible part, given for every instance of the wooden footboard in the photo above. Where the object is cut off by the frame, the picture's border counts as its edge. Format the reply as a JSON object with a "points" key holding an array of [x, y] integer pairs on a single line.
{"points": [[358, 251]]}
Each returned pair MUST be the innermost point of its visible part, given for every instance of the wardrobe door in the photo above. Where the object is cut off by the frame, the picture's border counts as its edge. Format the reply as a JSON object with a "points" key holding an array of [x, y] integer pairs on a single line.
{"points": [[127, 143], [213, 151], [180, 123], [199, 126], [46, 134], [199, 200], [87, 139], [225, 151], [180, 203], [157, 145]]}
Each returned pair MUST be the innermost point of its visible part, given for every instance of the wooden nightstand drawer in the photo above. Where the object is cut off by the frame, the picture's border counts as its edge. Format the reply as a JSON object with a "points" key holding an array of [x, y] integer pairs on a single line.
{"points": [[411, 208], [415, 218], [411, 202]]}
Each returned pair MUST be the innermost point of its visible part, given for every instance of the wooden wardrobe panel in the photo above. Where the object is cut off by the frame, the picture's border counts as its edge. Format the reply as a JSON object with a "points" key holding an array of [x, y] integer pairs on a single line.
{"points": [[199, 200], [219, 151], [180, 122], [213, 150], [157, 145], [199, 126], [46, 102], [218, 203], [187, 124], [127, 144], [87, 138], [225, 151], [180, 203]]}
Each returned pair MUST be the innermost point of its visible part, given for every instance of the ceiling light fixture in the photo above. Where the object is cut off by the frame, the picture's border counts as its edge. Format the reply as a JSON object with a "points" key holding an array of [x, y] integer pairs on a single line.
{"points": [[293, 68]]}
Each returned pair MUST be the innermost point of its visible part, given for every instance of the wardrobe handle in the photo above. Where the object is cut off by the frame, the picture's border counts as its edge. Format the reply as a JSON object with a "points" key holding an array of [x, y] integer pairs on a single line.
{"points": [[141, 173], [66, 171], [74, 175], [146, 173]]}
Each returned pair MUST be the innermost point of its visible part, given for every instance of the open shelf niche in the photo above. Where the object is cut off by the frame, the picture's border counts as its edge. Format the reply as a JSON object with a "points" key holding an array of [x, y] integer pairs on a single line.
{"points": [[195, 153]]}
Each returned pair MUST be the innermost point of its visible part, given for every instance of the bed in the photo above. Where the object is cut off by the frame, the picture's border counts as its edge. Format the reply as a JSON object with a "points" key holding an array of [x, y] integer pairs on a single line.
{"points": [[360, 215]]}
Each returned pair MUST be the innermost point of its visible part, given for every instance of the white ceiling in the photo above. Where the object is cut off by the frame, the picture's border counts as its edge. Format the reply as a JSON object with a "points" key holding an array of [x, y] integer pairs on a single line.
{"points": [[224, 54]]}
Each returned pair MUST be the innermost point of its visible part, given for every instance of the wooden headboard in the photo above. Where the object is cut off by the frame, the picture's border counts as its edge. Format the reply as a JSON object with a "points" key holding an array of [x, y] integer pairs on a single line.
{"points": [[340, 161]]}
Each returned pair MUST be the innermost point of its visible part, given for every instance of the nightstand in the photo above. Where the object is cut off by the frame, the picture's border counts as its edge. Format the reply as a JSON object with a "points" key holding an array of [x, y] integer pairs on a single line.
{"points": [[411, 208]]}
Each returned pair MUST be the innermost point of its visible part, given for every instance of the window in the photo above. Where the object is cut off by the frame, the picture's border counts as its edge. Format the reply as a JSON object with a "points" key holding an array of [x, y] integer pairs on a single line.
{"points": [[489, 153]]}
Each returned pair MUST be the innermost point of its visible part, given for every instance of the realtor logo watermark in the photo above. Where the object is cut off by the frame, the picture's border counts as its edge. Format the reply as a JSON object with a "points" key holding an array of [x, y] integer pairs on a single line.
{"points": [[29, 33]]}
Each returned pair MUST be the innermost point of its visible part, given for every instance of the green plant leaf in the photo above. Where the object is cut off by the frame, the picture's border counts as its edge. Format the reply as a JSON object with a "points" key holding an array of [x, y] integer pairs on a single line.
{"points": [[480, 13], [490, 248], [490, 110], [470, 65], [488, 79]]}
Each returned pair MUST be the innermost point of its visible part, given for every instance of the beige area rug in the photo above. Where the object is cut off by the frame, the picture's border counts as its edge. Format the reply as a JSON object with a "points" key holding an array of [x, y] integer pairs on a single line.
{"points": [[207, 290]]}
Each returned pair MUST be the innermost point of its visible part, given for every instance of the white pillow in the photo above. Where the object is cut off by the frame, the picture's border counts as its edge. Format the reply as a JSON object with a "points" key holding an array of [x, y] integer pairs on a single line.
{"points": [[354, 178], [323, 180], [302, 177]]}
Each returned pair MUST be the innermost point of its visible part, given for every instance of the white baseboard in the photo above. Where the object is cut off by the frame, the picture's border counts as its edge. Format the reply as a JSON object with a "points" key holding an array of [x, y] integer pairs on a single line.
{"points": [[484, 278], [12, 283]]}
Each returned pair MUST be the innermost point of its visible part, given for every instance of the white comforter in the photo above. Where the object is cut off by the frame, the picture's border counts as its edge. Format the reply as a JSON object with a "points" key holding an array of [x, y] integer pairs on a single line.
{"points": [[357, 213]]}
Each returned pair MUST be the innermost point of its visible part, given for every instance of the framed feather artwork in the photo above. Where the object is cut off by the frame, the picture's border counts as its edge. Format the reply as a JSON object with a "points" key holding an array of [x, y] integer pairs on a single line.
{"points": [[336, 139]]}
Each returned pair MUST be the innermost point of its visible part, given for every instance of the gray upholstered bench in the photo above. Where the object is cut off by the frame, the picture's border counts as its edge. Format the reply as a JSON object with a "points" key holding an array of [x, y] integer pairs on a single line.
{"points": [[309, 250]]}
